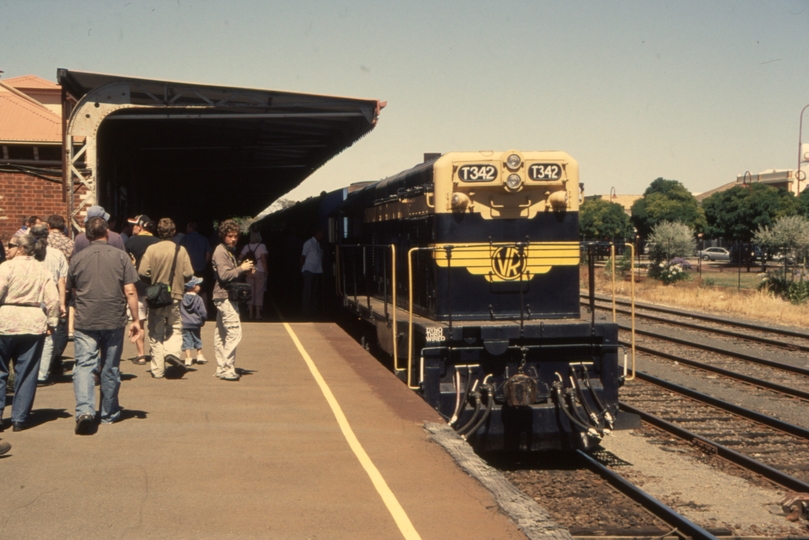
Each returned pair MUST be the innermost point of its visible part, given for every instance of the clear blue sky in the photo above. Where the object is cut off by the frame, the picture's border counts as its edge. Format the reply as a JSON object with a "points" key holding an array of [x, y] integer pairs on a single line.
{"points": [[696, 91]]}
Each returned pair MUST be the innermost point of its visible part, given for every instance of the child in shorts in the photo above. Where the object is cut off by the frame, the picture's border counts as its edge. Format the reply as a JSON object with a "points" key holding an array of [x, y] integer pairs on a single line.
{"points": [[192, 315]]}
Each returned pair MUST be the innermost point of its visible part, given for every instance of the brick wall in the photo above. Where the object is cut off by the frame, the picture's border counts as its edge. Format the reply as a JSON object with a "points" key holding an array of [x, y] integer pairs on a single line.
{"points": [[23, 195]]}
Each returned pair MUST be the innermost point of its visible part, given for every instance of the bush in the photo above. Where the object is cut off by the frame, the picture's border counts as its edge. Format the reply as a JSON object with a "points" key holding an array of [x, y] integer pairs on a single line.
{"points": [[668, 273], [796, 292], [683, 263], [708, 282]]}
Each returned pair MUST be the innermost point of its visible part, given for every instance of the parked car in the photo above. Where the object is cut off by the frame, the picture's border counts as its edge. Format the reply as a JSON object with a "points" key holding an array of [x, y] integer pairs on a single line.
{"points": [[749, 253], [780, 258], [714, 254]]}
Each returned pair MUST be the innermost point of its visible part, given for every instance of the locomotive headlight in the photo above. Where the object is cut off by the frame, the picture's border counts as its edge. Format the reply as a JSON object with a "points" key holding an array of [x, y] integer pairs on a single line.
{"points": [[513, 182], [513, 162], [459, 202]]}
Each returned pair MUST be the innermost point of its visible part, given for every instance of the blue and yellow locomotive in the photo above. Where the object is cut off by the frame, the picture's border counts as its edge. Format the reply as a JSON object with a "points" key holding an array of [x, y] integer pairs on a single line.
{"points": [[467, 266]]}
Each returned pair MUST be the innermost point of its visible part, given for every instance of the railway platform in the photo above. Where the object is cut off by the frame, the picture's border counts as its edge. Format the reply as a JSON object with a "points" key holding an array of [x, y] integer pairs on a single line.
{"points": [[317, 440]]}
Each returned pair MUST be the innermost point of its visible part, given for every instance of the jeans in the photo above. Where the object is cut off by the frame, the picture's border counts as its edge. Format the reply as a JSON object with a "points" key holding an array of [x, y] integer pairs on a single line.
{"points": [[311, 290], [228, 334], [192, 341], [54, 345], [165, 335], [25, 350], [98, 350]]}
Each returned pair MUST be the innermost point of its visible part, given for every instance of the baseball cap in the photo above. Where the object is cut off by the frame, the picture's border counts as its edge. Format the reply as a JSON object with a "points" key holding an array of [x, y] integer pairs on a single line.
{"points": [[193, 282], [96, 211], [139, 220]]}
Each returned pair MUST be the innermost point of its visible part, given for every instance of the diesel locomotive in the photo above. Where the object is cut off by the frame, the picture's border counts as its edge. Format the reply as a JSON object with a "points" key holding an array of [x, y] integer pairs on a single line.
{"points": [[467, 267]]}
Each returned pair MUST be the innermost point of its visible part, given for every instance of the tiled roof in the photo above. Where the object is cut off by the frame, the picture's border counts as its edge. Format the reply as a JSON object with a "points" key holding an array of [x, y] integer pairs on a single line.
{"points": [[23, 119], [26, 82]]}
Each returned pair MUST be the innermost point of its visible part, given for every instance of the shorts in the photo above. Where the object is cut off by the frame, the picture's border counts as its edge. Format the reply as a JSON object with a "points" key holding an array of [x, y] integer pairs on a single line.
{"points": [[143, 312], [191, 339]]}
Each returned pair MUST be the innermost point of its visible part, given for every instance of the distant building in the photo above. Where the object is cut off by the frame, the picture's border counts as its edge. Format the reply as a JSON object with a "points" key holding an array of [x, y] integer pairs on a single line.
{"points": [[784, 178], [624, 200]]}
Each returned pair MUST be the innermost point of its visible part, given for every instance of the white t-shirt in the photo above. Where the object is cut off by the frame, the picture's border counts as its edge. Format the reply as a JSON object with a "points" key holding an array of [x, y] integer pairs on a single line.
{"points": [[258, 250], [314, 256]]}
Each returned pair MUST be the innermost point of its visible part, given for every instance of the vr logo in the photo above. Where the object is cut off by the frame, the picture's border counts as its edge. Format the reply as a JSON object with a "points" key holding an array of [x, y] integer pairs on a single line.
{"points": [[508, 263]]}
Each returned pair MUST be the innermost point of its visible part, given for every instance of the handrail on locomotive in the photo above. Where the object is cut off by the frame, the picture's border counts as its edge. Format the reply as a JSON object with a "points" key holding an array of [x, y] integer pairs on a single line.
{"points": [[632, 272]]}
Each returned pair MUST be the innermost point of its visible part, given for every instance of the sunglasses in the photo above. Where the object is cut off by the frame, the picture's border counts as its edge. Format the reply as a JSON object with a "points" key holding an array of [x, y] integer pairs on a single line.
{"points": [[10, 245]]}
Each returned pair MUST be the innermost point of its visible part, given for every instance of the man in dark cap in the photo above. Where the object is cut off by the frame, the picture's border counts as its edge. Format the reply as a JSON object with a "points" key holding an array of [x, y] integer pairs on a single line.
{"points": [[142, 237]]}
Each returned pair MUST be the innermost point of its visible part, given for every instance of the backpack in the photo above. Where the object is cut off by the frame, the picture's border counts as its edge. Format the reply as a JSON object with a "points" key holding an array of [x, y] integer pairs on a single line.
{"points": [[251, 254]]}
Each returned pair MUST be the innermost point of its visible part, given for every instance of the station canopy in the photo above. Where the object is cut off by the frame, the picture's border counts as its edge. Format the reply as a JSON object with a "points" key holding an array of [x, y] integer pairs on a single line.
{"points": [[198, 151]]}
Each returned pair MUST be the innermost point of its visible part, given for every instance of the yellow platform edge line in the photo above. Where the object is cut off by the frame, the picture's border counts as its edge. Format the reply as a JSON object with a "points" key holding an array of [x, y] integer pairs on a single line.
{"points": [[390, 500]]}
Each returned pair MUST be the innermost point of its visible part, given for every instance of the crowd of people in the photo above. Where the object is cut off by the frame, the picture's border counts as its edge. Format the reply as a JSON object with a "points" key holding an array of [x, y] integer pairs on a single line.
{"points": [[103, 286]]}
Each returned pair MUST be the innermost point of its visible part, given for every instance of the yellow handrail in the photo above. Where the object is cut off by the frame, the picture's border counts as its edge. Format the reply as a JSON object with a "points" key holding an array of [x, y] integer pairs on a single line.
{"points": [[612, 258], [393, 310], [632, 298], [410, 315]]}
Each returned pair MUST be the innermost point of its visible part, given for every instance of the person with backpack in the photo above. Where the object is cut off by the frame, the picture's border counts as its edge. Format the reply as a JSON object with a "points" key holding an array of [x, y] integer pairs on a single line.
{"points": [[257, 252]]}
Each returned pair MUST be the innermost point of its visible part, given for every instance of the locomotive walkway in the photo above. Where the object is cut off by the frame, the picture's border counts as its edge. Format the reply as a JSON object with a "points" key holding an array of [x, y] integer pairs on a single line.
{"points": [[266, 457]]}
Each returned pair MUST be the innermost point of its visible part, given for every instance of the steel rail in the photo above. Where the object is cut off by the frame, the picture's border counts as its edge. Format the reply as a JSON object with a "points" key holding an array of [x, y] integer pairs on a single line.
{"points": [[729, 333], [771, 474], [685, 527], [711, 318], [725, 373], [719, 350], [769, 421]]}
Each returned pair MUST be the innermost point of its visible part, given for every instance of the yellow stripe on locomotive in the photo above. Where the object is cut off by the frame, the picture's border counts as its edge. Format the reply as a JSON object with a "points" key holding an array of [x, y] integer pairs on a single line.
{"points": [[501, 263]]}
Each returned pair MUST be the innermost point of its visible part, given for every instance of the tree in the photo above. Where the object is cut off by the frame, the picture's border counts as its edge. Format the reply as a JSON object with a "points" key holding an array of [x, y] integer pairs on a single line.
{"points": [[669, 240], [601, 220], [666, 200], [803, 203], [736, 214], [789, 235]]}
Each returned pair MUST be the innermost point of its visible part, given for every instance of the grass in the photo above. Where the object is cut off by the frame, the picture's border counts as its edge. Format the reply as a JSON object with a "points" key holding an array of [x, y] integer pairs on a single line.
{"points": [[731, 279], [720, 297]]}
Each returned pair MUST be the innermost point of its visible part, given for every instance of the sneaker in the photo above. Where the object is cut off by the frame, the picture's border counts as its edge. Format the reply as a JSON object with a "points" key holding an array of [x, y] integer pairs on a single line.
{"points": [[4, 447], [219, 373], [229, 376], [188, 362], [178, 366], [84, 424], [200, 360]]}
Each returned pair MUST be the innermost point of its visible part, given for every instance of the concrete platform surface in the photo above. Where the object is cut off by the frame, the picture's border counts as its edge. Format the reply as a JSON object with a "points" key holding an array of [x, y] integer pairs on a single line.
{"points": [[260, 458]]}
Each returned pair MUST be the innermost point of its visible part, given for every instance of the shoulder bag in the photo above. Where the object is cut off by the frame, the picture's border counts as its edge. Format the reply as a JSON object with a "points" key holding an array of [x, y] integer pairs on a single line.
{"points": [[238, 291], [159, 294]]}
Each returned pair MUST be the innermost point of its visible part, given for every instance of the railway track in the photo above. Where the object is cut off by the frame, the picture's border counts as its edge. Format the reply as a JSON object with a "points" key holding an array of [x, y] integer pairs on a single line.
{"points": [[585, 494], [774, 449], [729, 358], [754, 332]]}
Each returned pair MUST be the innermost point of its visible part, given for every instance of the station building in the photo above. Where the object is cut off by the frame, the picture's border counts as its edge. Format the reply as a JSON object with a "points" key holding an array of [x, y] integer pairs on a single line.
{"points": [[30, 152], [194, 152]]}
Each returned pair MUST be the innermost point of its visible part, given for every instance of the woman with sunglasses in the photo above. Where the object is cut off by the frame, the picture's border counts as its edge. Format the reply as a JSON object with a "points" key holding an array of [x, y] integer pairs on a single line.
{"points": [[29, 308]]}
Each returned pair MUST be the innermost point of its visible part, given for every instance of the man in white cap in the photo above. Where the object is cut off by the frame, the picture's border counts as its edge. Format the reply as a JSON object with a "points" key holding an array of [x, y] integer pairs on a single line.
{"points": [[81, 242]]}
